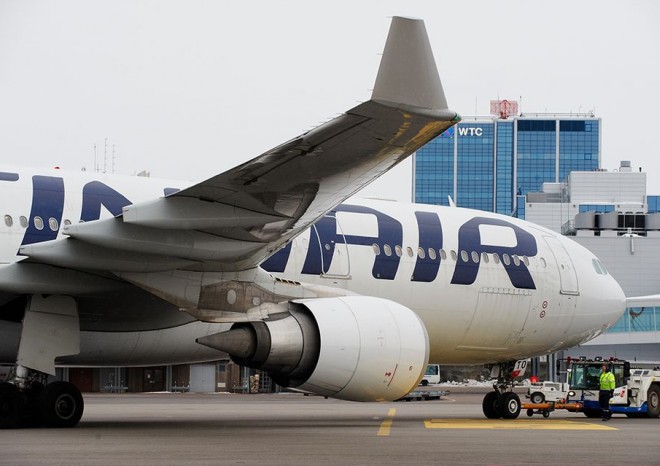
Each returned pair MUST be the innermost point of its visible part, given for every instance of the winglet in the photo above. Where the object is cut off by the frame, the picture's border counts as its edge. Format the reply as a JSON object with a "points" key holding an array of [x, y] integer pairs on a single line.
{"points": [[407, 73]]}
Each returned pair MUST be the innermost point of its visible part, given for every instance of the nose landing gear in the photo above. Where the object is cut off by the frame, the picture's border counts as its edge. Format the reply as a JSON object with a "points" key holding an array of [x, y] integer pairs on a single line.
{"points": [[502, 402]]}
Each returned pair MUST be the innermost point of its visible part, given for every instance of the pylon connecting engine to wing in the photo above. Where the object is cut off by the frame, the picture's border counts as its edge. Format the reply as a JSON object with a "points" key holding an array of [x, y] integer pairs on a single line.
{"points": [[354, 348]]}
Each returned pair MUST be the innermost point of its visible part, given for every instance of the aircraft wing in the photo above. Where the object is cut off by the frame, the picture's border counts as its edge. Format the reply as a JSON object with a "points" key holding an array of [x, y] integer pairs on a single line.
{"points": [[234, 220]]}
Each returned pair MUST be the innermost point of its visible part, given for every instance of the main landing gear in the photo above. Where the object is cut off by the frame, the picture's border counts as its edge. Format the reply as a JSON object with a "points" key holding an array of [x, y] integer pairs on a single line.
{"points": [[30, 402], [50, 329], [503, 402]]}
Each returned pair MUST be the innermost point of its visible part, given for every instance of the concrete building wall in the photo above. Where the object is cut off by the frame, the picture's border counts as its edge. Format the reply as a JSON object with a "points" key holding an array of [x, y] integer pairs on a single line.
{"points": [[615, 187]]}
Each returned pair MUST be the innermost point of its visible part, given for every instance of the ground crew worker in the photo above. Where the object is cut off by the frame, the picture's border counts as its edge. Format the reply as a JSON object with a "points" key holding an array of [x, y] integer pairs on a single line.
{"points": [[606, 385]]}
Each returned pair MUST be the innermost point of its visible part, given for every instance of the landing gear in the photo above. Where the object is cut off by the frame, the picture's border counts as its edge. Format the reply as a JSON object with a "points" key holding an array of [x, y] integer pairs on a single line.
{"points": [[33, 404], [502, 402], [498, 405], [50, 329]]}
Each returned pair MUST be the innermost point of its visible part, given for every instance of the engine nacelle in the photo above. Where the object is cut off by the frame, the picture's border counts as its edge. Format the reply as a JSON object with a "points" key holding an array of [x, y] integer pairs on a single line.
{"points": [[353, 348]]}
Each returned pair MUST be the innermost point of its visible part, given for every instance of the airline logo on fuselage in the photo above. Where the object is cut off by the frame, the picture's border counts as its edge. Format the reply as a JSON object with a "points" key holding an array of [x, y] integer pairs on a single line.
{"points": [[325, 238]]}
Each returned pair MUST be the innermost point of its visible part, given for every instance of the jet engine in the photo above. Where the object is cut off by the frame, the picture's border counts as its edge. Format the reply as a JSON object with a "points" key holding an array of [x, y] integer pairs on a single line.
{"points": [[353, 348]]}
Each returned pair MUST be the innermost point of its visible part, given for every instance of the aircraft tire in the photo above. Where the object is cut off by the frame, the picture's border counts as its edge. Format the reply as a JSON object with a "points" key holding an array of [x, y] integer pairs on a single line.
{"points": [[10, 405], [653, 401], [60, 405], [490, 406], [32, 416], [510, 406]]}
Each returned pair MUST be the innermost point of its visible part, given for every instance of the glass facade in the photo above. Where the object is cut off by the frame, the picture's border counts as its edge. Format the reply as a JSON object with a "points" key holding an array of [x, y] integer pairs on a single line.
{"points": [[486, 164], [434, 168], [475, 166], [638, 319], [504, 168]]}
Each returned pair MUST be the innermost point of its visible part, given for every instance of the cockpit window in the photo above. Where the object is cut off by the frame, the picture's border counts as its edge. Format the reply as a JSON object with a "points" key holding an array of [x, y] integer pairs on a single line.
{"points": [[599, 267]]}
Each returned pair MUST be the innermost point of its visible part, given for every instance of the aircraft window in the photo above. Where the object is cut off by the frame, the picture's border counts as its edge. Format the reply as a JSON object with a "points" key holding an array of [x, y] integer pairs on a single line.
{"points": [[327, 247], [484, 257], [432, 254], [526, 261], [443, 254], [600, 268], [67, 222], [543, 264], [516, 260], [475, 257], [398, 251], [409, 251], [420, 253], [38, 223], [464, 256], [52, 223], [23, 220], [8, 220], [496, 258], [376, 249], [453, 255], [506, 259], [388, 250]]}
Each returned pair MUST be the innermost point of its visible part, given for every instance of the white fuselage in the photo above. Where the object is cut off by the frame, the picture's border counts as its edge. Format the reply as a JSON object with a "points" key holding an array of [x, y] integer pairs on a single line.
{"points": [[488, 287]]}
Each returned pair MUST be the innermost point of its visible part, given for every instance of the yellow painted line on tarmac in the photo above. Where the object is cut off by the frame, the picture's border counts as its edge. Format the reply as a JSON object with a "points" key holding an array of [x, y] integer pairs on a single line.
{"points": [[519, 424], [386, 425]]}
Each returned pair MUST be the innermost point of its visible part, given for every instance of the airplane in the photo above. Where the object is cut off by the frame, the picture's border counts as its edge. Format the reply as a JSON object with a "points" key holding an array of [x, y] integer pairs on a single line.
{"points": [[277, 264]]}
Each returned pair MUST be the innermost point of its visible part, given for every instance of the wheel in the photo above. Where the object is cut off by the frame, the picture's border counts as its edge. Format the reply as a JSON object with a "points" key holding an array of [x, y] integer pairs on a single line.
{"points": [[592, 412], [32, 413], [537, 397], [60, 405], [653, 401], [510, 406], [546, 413], [490, 406], [11, 403], [530, 412], [425, 383]]}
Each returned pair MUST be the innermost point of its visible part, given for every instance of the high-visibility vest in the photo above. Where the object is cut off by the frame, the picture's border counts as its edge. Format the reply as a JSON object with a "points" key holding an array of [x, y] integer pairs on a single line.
{"points": [[607, 381]]}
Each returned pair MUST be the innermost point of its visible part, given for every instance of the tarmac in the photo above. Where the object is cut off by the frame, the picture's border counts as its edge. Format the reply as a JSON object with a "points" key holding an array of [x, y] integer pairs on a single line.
{"points": [[291, 429]]}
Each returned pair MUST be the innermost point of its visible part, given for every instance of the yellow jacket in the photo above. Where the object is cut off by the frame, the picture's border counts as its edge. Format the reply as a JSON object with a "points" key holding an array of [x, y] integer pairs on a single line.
{"points": [[607, 381]]}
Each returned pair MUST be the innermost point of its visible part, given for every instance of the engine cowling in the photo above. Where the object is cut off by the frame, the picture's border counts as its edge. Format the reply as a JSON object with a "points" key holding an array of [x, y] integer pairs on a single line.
{"points": [[353, 348]]}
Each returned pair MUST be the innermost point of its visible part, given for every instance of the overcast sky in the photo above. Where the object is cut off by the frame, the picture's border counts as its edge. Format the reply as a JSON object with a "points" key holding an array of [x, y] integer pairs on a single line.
{"points": [[188, 89]]}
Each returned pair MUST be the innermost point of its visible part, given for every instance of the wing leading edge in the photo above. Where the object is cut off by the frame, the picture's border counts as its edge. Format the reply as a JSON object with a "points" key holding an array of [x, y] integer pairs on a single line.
{"points": [[236, 219]]}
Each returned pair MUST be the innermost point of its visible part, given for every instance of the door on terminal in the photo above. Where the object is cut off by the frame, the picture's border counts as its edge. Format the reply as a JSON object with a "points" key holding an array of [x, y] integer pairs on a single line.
{"points": [[153, 379]]}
